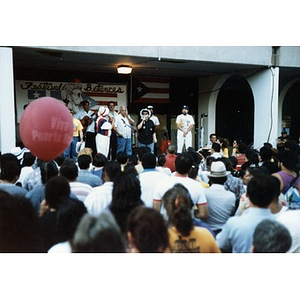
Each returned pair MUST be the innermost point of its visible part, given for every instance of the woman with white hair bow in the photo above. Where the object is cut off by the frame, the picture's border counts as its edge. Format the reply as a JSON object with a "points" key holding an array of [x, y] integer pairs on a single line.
{"points": [[103, 130]]}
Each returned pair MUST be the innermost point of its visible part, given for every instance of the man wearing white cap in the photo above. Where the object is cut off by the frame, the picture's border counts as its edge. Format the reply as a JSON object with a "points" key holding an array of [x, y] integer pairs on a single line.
{"points": [[221, 203], [104, 128], [185, 124]]}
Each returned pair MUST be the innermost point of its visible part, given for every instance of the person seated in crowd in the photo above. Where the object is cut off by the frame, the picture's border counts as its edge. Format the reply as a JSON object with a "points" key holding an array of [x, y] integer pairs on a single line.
{"points": [[147, 231], [37, 194], [149, 178], [183, 164], [122, 158], [57, 192], [99, 199], [271, 237], [161, 160], [20, 230], [126, 195], [98, 164], [68, 218], [220, 202], [70, 171], [10, 172], [288, 174], [84, 174], [27, 167], [237, 233], [216, 150], [99, 234], [170, 158], [184, 236]]}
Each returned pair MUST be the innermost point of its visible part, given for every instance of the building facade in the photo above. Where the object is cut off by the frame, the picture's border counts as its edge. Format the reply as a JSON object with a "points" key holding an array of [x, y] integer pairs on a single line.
{"points": [[244, 93]]}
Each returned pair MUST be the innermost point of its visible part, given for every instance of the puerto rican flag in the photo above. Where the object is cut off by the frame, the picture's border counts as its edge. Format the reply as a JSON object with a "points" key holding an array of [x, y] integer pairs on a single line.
{"points": [[145, 89]]}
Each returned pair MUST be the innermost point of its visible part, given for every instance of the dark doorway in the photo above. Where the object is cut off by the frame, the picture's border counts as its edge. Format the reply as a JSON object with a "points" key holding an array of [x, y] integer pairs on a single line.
{"points": [[291, 111], [235, 111]]}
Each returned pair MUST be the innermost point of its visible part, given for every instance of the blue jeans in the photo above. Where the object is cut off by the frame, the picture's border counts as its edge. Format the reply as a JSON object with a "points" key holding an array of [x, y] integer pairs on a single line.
{"points": [[124, 145], [151, 146], [71, 150]]}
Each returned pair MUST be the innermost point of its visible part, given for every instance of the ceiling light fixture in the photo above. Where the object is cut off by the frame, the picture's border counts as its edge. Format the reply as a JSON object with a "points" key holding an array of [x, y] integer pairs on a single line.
{"points": [[123, 69]]}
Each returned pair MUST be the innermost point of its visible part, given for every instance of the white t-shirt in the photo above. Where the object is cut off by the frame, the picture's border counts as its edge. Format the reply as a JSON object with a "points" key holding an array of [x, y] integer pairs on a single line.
{"points": [[291, 220], [149, 179], [194, 187], [184, 121], [99, 198], [155, 120]]}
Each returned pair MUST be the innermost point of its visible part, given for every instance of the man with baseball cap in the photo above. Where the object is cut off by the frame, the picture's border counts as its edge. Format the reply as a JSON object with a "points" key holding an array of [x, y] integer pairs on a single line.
{"points": [[185, 124]]}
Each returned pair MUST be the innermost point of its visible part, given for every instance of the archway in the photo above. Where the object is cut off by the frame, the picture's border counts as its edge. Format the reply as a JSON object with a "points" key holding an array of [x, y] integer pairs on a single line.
{"points": [[291, 111], [235, 110]]}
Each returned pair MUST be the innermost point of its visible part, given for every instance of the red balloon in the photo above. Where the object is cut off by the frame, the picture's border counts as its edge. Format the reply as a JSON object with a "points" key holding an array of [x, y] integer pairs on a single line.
{"points": [[46, 128]]}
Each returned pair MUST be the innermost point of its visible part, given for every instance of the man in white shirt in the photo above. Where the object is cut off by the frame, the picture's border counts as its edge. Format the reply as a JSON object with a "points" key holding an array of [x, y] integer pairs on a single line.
{"points": [[100, 197], [149, 177], [221, 203], [123, 128], [185, 124], [183, 164]]}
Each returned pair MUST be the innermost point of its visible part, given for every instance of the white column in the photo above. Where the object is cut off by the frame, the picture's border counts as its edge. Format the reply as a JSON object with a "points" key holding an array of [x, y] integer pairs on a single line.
{"points": [[265, 91], [7, 101]]}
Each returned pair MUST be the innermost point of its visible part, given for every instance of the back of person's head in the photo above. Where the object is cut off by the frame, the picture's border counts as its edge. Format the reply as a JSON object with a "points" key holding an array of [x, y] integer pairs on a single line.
{"points": [[10, 171], [68, 217], [19, 225], [60, 159], [99, 234], [193, 173], [122, 157], [126, 191], [111, 170], [277, 191], [28, 159], [252, 156], [57, 191], [8, 157], [227, 162], [242, 147], [171, 149], [271, 237], [291, 145], [183, 163], [209, 161], [233, 161], [271, 166], [84, 161], [99, 160], [48, 170], [161, 160], [195, 155], [216, 147], [147, 230], [265, 153], [289, 159], [261, 190], [69, 169], [126, 195], [177, 202], [141, 151], [149, 161]]}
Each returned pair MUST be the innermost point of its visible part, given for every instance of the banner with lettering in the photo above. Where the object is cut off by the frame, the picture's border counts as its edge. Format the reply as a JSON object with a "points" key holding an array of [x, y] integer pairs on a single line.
{"points": [[71, 93]]}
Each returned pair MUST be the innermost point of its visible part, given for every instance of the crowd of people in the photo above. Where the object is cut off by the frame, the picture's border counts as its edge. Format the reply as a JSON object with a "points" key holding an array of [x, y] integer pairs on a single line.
{"points": [[108, 198]]}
